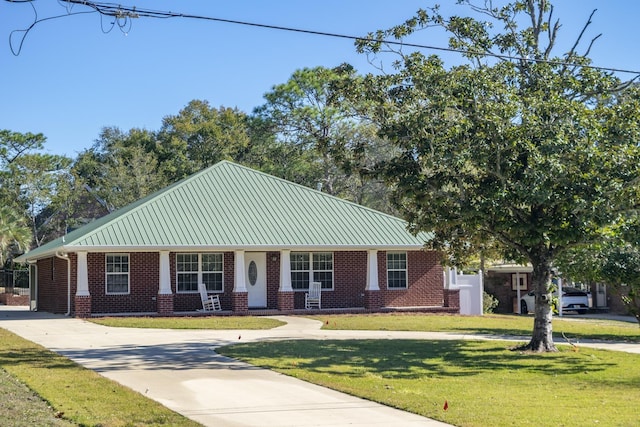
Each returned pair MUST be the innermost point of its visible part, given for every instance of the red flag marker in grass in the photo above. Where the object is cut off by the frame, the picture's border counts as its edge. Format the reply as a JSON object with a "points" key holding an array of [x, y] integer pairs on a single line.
{"points": [[446, 405]]}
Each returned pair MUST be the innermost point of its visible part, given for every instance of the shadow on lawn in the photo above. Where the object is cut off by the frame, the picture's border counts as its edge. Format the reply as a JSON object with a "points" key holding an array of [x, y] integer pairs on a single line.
{"points": [[410, 359], [517, 333]]}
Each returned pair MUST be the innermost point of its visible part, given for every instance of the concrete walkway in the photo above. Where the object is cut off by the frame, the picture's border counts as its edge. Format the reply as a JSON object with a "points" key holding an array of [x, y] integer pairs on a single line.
{"points": [[181, 370]]}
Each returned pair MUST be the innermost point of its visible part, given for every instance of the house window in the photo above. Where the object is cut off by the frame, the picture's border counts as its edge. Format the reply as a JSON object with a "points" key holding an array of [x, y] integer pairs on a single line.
{"points": [[117, 273], [204, 268], [519, 279], [397, 270], [311, 265]]}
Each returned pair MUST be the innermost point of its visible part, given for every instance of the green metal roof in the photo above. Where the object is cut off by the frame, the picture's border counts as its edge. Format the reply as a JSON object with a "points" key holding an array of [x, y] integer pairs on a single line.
{"points": [[227, 207]]}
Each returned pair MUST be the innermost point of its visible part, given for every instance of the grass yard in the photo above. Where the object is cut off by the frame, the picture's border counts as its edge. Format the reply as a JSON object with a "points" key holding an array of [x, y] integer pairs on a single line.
{"points": [[76, 396], [485, 384], [573, 328], [21, 407], [211, 322]]}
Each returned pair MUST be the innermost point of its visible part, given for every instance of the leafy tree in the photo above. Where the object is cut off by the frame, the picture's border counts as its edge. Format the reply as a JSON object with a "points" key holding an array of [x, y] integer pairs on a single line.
{"points": [[614, 261], [200, 136], [15, 235], [621, 269], [31, 186], [316, 123], [15, 144], [31, 183], [533, 150], [120, 168]]}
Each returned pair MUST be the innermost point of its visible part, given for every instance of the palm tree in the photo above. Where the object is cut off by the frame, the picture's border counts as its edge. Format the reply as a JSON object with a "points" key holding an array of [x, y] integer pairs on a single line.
{"points": [[13, 233]]}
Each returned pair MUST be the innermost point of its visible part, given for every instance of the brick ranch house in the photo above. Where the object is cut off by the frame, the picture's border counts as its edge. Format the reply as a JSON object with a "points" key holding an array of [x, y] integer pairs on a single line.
{"points": [[255, 240]]}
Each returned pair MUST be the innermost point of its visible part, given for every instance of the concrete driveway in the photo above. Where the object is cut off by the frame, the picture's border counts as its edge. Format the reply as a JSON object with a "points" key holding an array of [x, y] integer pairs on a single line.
{"points": [[181, 370]]}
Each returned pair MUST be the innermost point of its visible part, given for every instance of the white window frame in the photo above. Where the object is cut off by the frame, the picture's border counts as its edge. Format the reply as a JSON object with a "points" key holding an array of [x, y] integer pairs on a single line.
{"points": [[523, 281], [405, 270], [311, 272], [200, 272], [117, 273]]}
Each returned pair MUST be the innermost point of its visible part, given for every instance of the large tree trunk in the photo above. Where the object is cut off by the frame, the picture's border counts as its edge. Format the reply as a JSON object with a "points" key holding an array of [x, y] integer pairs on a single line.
{"points": [[542, 337]]}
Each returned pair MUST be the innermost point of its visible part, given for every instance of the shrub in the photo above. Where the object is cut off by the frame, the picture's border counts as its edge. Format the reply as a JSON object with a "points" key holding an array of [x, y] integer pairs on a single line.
{"points": [[489, 302]]}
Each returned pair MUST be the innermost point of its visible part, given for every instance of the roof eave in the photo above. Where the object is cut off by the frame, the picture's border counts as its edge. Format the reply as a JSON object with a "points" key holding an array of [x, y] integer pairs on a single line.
{"points": [[248, 248]]}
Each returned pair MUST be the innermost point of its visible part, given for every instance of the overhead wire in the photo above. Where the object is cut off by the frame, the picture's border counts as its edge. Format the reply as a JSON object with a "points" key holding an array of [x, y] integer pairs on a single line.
{"points": [[124, 14]]}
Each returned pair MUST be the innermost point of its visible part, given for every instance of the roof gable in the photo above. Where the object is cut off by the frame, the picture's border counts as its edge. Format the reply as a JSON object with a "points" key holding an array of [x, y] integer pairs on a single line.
{"points": [[232, 206]]}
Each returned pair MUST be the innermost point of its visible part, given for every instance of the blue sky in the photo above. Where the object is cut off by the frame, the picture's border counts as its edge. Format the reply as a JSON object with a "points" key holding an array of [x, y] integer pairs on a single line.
{"points": [[71, 79]]}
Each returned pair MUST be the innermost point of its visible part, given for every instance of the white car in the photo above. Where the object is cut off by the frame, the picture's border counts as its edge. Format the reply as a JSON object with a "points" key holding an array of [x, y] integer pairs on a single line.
{"points": [[573, 299]]}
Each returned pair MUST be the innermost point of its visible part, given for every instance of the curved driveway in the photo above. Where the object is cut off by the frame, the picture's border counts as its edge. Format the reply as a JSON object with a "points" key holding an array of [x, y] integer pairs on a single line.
{"points": [[181, 370]]}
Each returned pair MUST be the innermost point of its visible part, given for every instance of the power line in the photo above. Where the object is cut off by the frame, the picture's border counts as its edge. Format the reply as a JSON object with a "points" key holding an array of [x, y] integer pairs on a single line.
{"points": [[127, 13]]}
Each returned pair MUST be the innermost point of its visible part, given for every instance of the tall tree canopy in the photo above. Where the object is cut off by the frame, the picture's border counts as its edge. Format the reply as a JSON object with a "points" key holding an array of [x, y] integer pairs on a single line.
{"points": [[30, 184], [200, 136], [120, 168], [517, 144], [15, 144], [319, 128]]}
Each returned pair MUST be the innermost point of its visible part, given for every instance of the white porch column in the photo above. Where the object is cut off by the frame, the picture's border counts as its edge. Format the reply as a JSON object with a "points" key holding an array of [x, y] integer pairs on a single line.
{"points": [[285, 271], [239, 282], [83, 275], [372, 271], [165, 274]]}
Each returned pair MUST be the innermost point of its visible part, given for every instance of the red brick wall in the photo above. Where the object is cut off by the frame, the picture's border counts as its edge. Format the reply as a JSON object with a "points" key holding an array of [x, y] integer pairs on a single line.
{"points": [[11, 299], [144, 280], [52, 285], [350, 272], [349, 281], [424, 281]]}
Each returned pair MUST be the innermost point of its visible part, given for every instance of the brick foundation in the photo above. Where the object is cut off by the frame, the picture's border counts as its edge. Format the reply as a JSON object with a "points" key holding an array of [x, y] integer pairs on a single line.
{"points": [[452, 298], [165, 304], [286, 301], [240, 302], [11, 299], [83, 306], [372, 300]]}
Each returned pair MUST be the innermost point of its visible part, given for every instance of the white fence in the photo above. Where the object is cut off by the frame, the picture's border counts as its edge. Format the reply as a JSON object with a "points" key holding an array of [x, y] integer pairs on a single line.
{"points": [[471, 289]]}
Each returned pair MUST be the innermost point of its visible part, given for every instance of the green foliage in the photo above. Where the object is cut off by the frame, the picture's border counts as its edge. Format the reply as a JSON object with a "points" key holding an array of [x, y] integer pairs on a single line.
{"points": [[15, 144], [314, 120], [536, 155], [15, 235], [489, 303], [200, 136], [120, 168], [32, 184], [614, 260]]}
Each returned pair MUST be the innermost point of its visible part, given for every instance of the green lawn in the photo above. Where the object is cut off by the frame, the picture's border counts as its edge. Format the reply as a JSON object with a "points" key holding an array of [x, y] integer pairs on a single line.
{"points": [[21, 407], [484, 383], [573, 328], [210, 322], [75, 394]]}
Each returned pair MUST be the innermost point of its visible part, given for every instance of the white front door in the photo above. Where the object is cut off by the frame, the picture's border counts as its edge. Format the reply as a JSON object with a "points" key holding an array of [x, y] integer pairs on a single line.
{"points": [[255, 270]]}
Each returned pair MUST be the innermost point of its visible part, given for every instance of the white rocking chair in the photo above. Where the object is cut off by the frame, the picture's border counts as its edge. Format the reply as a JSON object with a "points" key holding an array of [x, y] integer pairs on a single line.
{"points": [[209, 302], [312, 299]]}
